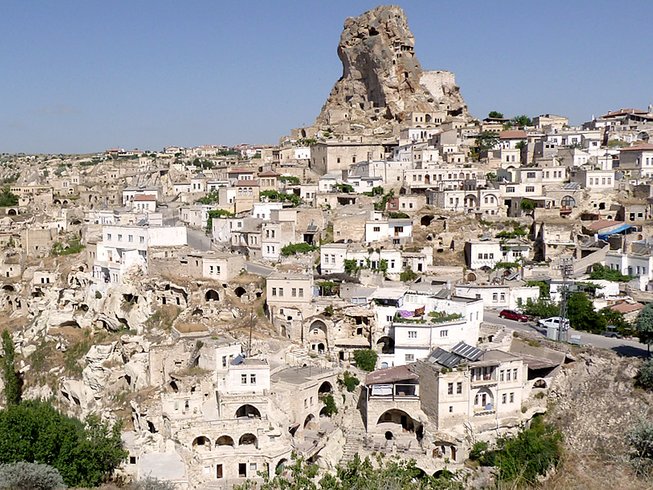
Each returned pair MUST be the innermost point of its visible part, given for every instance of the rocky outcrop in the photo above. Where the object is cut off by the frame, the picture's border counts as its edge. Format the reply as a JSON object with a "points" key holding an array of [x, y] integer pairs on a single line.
{"points": [[383, 83]]}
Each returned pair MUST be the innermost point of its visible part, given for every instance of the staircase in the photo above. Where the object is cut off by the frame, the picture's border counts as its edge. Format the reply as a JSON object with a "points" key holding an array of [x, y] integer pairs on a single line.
{"points": [[353, 445]]}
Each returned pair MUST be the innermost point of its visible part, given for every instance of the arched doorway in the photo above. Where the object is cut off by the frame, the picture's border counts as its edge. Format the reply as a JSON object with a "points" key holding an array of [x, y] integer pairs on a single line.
{"points": [[309, 421], [317, 336], [248, 411], [398, 417], [240, 291], [247, 439], [201, 443], [224, 441], [212, 295], [325, 387], [387, 345]]}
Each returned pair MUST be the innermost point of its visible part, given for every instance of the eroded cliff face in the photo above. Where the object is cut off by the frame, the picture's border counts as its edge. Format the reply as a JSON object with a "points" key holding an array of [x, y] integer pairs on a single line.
{"points": [[382, 81]]}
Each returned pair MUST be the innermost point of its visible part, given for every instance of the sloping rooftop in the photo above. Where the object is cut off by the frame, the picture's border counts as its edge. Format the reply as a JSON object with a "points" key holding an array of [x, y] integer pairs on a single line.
{"points": [[390, 375]]}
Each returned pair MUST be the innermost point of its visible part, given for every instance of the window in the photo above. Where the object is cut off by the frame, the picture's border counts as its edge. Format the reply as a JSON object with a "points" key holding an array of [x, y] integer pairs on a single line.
{"points": [[130, 238], [480, 256], [459, 387], [242, 470], [450, 408], [301, 292], [376, 228], [224, 361], [252, 468], [514, 374], [274, 291], [293, 292], [243, 379], [399, 229], [530, 175], [252, 379], [108, 236], [512, 397], [510, 189], [450, 389], [409, 357], [504, 397], [502, 375], [280, 291], [495, 296], [412, 334], [503, 296], [508, 375], [444, 333], [119, 237], [530, 188]]}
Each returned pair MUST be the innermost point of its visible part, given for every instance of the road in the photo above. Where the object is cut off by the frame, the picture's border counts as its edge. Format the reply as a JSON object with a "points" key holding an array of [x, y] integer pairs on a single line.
{"points": [[258, 269], [624, 347]]}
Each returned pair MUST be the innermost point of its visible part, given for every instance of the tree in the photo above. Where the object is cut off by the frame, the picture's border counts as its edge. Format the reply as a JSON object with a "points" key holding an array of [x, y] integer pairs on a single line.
{"points": [[29, 476], [522, 121], [11, 378], [7, 198], [407, 275], [644, 326], [582, 315], [365, 359], [486, 141], [495, 115], [606, 273], [329, 405], [84, 453]]}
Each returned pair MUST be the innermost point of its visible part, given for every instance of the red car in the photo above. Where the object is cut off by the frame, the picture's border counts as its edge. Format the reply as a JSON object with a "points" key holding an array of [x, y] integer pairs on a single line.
{"points": [[513, 315]]}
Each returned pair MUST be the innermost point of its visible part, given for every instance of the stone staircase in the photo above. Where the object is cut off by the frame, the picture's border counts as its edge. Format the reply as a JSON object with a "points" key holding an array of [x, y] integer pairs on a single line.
{"points": [[353, 445]]}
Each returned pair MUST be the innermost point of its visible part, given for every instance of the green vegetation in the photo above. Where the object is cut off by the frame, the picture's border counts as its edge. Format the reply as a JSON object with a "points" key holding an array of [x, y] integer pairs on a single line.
{"points": [[381, 205], [7, 198], [329, 405], [151, 483], [506, 265], [289, 179], [523, 459], [358, 474], [85, 454], [211, 198], [441, 316], [276, 196], [516, 232], [346, 188], [605, 273], [495, 115], [328, 288], [297, 248], [644, 377], [216, 213], [365, 359], [228, 152], [485, 141], [30, 476], [397, 215], [644, 326], [350, 381], [11, 378], [75, 353], [408, 275], [74, 246], [545, 288], [640, 439], [527, 205], [305, 142], [351, 266], [542, 308], [582, 315], [522, 121], [376, 191]]}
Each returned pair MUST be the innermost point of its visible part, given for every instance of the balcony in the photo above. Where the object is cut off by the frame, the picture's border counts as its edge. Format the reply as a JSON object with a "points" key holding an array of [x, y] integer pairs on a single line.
{"points": [[485, 410]]}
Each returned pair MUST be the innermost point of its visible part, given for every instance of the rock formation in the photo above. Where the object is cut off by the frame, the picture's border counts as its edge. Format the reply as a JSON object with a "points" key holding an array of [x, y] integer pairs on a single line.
{"points": [[383, 83]]}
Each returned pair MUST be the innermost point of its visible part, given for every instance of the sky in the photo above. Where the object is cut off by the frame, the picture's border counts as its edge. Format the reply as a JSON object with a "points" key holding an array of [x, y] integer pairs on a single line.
{"points": [[82, 76]]}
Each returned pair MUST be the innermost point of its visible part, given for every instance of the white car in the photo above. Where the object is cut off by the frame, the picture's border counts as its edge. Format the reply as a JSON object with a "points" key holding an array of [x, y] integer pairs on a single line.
{"points": [[553, 321]]}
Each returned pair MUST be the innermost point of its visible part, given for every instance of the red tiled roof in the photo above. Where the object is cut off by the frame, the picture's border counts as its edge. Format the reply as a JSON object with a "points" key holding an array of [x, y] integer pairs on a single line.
{"points": [[389, 375], [268, 173], [603, 223], [240, 171], [246, 183], [624, 307], [144, 197], [640, 147], [513, 134]]}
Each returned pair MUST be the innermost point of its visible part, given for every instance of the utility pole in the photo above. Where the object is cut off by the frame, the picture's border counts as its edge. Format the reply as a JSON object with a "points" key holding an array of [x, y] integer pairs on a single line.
{"points": [[566, 269]]}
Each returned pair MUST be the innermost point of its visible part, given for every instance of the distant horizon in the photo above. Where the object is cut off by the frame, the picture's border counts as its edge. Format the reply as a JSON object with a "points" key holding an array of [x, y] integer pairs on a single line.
{"points": [[82, 77]]}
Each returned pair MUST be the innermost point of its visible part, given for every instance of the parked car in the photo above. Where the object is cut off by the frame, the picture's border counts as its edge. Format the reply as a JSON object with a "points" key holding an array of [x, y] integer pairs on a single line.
{"points": [[611, 331], [513, 315], [553, 321]]}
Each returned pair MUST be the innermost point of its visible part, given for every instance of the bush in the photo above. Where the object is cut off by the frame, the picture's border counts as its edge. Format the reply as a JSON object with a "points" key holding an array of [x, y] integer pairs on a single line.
{"points": [[350, 381], [151, 483], [640, 439], [478, 450], [408, 275], [542, 308], [644, 377], [526, 457], [29, 476], [72, 247], [329, 405], [602, 272], [289, 179], [7, 198], [365, 359], [297, 248]]}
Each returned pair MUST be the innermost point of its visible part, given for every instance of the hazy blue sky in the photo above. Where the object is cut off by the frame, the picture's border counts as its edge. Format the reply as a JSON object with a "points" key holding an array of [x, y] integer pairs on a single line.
{"points": [[86, 75]]}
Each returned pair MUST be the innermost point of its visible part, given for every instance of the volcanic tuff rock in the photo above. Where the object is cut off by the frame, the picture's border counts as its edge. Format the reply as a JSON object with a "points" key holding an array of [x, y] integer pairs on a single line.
{"points": [[382, 80]]}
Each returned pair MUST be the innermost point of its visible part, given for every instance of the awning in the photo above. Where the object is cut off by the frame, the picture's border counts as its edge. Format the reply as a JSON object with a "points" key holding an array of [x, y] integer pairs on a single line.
{"points": [[614, 231]]}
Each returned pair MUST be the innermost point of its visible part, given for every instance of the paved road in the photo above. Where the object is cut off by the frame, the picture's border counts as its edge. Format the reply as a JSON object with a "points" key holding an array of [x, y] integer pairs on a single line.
{"points": [[621, 346], [258, 269]]}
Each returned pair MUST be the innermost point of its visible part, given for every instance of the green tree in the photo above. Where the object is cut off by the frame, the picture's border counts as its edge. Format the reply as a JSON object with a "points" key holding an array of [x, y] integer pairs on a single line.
{"points": [[644, 326], [329, 405], [85, 454], [407, 275], [297, 248], [527, 205], [582, 315], [606, 273], [7, 198], [486, 141], [11, 378], [644, 377], [522, 121], [542, 308], [495, 115], [350, 381], [365, 359]]}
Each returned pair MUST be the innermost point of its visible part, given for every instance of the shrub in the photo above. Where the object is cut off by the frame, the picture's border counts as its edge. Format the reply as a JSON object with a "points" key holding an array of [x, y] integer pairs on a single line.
{"points": [[408, 275], [542, 308], [297, 248], [365, 359], [329, 405], [7, 198], [644, 377], [350, 381], [72, 247], [29, 476], [478, 450], [151, 483], [602, 272], [289, 179]]}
